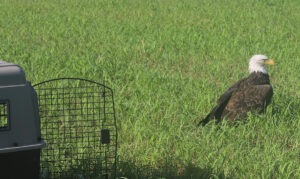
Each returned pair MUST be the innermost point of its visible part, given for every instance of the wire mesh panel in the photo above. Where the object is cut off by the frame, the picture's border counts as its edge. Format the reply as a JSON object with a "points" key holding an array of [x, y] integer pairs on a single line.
{"points": [[78, 124]]}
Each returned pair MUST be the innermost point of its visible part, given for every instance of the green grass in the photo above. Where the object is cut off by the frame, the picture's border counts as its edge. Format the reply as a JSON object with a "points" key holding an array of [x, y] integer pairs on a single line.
{"points": [[167, 62]]}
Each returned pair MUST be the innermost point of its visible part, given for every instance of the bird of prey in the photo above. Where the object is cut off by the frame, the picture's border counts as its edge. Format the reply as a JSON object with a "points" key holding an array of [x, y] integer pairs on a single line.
{"points": [[253, 93]]}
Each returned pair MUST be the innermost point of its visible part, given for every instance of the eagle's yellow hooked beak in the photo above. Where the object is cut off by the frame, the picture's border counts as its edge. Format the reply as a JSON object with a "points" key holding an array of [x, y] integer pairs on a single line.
{"points": [[269, 62]]}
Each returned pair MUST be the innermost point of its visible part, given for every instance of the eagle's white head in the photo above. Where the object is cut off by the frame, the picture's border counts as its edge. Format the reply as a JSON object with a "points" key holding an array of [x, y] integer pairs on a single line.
{"points": [[257, 63]]}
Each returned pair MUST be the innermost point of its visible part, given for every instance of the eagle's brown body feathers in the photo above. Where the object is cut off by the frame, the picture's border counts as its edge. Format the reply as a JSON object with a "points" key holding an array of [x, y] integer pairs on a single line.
{"points": [[253, 93]]}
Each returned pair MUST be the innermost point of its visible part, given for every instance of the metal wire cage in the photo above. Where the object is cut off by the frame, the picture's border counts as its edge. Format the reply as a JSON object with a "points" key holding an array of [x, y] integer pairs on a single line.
{"points": [[78, 124]]}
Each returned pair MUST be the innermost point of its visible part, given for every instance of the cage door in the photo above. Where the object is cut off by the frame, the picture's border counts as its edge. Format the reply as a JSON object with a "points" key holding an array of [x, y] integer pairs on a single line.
{"points": [[78, 124]]}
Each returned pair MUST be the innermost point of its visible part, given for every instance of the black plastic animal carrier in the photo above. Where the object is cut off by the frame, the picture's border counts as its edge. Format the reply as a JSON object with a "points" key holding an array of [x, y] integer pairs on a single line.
{"points": [[20, 136], [78, 124]]}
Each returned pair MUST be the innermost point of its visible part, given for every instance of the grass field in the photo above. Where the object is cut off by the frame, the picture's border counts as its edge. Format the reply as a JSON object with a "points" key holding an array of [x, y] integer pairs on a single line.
{"points": [[167, 62]]}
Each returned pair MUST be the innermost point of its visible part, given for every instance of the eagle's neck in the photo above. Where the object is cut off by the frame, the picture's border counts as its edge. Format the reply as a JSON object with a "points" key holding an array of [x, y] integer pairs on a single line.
{"points": [[254, 67], [258, 78]]}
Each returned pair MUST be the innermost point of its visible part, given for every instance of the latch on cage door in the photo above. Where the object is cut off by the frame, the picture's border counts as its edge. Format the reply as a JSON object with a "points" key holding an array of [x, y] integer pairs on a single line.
{"points": [[105, 136]]}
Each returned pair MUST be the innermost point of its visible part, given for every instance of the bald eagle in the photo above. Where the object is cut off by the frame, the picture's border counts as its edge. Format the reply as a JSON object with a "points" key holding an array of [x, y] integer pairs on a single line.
{"points": [[252, 93]]}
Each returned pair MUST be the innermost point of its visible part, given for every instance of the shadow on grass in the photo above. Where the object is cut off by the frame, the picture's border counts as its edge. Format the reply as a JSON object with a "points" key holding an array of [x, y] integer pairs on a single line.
{"points": [[129, 170]]}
